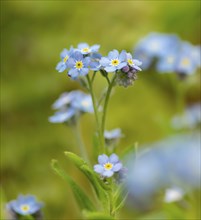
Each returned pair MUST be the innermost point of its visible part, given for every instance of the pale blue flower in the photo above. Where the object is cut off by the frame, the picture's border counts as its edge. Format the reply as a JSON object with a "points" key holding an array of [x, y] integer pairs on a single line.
{"points": [[144, 57], [65, 54], [71, 104], [134, 63], [108, 165], [63, 115], [167, 63], [114, 61], [84, 48], [113, 134], [78, 64], [24, 205]]}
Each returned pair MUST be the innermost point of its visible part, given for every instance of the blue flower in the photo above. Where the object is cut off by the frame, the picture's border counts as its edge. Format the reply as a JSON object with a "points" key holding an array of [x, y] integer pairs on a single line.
{"points": [[78, 64], [70, 105], [24, 205], [113, 134], [65, 54], [108, 165], [84, 48], [167, 63], [114, 61], [134, 63]]}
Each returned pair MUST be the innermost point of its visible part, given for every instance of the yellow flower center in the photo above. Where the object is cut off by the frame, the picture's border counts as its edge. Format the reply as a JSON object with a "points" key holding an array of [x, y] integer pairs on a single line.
{"points": [[115, 62], [108, 166], [25, 208], [185, 62], [130, 62], [79, 65], [65, 58], [86, 49]]}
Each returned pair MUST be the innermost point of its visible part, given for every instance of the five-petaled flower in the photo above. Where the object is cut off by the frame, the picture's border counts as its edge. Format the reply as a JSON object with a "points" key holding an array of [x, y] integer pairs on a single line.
{"points": [[78, 64], [84, 48], [65, 55], [114, 61], [108, 165], [24, 205]]}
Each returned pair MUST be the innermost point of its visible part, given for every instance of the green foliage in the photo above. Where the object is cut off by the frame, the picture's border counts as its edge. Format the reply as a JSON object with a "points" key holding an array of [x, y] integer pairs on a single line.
{"points": [[81, 197], [96, 216]]}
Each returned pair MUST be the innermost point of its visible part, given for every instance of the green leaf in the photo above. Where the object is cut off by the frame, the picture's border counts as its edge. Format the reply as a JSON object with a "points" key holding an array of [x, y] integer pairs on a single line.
{"points": [[82, 198], [96, 216], [120, 197], [99, 186], [78, 161]]}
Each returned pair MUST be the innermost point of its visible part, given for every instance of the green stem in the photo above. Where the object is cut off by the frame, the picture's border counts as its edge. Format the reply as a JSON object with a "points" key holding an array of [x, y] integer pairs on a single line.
{"points": [[111, 84], [77, 133], [101, 140]]}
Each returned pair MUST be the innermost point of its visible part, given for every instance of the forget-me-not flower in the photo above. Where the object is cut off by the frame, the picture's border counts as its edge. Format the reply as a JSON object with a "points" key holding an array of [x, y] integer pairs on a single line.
{"points": [[65, 54], [71, 104], [24, 205], [114, 61], [108, 165], [84, 48], [78, 64]]}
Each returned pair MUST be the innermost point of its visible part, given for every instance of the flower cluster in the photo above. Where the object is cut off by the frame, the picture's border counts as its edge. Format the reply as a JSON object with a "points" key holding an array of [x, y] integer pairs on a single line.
{"points": [[79, 61], [24, 205], [70, 105], [169, 52]]}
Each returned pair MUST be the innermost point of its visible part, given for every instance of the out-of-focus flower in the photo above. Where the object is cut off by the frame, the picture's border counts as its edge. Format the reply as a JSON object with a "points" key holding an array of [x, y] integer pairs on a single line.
{"points": [[175, 161], [24, 205], [112, 136], [173, 194], [108, 165], [169, 53], [70, 105], [191, 118], [156, 44], [84, 48], [78, 64], [114, 61], [63, 64], [167, 63]]}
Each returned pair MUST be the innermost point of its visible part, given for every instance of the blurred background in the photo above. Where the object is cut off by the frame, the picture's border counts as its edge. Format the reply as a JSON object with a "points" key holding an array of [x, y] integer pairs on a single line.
{"points": [[33, 33]]}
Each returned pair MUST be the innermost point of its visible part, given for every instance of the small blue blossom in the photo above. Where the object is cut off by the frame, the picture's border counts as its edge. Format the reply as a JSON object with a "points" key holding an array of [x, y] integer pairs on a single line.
{"points": [[78, 64], [84, 48], [24, 205], [167, 63], [108, 165], [114, 61], [113, 134], [65, 54], [134, 63], [71, 104]]}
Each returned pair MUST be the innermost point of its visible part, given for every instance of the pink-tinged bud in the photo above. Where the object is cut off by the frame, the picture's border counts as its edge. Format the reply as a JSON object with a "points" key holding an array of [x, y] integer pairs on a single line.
{"points": [[125, 69]]}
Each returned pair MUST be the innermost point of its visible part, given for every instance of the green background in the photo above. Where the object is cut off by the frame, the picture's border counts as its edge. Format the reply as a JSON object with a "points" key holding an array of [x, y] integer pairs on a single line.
{"points": [[33, 33]]}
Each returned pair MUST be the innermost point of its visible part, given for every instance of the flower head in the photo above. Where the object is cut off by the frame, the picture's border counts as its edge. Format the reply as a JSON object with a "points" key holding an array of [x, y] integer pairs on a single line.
{"points": [[78, 64], [108, 165], [112, 136], [114, 61], [24, 205], [63, 64], [71, 104], [84, 48]]}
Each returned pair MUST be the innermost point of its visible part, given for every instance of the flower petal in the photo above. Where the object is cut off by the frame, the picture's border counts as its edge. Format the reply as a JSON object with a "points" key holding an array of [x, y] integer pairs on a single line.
{"points": [[98, 168], [114, 158], [121, 65], [117, 167], [113, 54], [122, 56], [104, 61], [82, 45], [110, 68], [95, 48], [102, 159], [84, 71], [108, 173]]}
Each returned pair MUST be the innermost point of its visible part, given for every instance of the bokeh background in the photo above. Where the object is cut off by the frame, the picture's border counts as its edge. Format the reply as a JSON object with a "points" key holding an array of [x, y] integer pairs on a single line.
{"points": [[33, 33]]}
